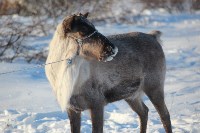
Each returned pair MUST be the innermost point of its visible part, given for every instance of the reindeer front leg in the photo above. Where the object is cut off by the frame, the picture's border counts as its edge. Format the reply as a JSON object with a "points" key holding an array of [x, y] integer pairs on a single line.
{"points": [[97, 118], [75, 120]]}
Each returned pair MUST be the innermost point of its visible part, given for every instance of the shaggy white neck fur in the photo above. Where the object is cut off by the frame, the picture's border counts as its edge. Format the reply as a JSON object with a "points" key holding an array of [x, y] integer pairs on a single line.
{"points": [[61, 76]]}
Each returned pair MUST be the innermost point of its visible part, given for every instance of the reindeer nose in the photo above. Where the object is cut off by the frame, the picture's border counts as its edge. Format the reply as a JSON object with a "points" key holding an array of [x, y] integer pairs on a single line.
{"points": [[109, 50], [112, 52]]}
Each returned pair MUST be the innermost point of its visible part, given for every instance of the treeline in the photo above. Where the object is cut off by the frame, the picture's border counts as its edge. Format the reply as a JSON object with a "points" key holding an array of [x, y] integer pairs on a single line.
{"points": [[55, 8], [173, 5]]}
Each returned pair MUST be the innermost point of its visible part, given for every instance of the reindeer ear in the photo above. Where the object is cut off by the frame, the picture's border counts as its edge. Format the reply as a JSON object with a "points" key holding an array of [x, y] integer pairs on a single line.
{"points": [[86, 14], [67, 23]]}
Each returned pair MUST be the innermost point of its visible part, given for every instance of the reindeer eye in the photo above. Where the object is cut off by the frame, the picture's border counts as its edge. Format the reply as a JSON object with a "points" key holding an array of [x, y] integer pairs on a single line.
{"points": [[84, 29]]}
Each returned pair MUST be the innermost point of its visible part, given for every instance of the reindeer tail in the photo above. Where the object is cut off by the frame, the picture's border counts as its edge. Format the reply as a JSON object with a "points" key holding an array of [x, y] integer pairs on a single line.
{"points": [[156, 34]]}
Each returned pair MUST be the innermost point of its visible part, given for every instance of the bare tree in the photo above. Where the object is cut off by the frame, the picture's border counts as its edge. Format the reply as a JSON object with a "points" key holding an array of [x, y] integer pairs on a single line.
{"points": [[13, 33]]}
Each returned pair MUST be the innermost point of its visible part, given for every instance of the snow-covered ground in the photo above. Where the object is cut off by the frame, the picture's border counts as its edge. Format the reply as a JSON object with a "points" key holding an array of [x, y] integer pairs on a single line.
{"points": [[28, 105]]}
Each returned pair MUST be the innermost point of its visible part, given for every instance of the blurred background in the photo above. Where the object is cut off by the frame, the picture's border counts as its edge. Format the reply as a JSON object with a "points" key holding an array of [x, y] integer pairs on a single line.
{"points": [[32, 19]]}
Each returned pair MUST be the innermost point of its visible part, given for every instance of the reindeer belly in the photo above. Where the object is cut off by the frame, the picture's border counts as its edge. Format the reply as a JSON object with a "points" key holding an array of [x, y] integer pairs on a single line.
{"points": [[124, 90], [99, 94]]}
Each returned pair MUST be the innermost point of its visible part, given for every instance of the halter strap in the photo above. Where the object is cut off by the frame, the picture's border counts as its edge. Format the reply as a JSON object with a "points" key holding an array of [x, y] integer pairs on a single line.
{"points": [[80, 40]]}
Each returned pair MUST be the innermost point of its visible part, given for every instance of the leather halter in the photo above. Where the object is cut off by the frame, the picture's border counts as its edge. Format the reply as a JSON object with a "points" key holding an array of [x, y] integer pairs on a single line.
{"points": [[80, 43], [80, 40]]}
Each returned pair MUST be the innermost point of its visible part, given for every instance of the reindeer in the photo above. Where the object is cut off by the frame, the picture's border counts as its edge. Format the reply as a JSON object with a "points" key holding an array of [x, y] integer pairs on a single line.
{"points": [[98, 70]]}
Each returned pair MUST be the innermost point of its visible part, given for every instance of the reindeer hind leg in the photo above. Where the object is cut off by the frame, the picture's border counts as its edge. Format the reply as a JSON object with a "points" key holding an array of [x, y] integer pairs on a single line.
{"points": [[156, 96], [141, 109]]}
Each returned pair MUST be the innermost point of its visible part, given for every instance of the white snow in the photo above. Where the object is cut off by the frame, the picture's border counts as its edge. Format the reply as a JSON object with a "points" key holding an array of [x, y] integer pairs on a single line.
{"points": [[27, 103]]}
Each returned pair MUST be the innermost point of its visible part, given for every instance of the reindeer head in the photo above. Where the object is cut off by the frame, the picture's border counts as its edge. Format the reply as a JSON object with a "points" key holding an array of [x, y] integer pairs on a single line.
{"points": [[92, 44]]}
